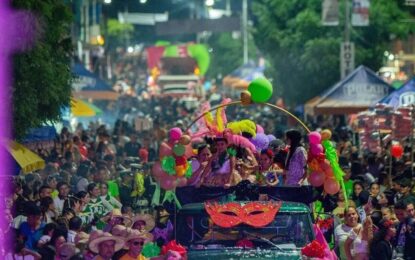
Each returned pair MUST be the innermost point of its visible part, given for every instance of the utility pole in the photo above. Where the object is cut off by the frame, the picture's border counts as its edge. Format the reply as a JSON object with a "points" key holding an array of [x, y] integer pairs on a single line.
{"points": [[245, 30], [347, 22]]}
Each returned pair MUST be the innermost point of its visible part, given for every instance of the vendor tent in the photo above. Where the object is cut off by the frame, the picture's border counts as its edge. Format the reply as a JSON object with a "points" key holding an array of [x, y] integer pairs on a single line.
{"points": [[242, 76], [404, 96], [88, 85], [358, 91], [27, 160]]}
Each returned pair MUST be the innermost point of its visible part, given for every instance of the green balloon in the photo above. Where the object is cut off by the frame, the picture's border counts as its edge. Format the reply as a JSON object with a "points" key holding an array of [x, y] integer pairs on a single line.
{"points": [[260, 89], [179, 149]]}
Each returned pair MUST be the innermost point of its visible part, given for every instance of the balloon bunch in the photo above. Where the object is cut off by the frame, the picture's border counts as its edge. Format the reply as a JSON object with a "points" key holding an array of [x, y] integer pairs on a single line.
{"points": [[174, 168], [323, 162]]}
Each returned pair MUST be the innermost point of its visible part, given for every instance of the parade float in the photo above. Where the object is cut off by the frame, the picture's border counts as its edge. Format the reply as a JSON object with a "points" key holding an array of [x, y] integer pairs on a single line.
{"points": [[231, 209]]}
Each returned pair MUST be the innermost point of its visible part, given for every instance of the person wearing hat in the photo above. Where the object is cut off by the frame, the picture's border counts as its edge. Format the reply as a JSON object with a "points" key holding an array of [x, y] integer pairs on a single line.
{"points": [[135, 242], [143, 223], [105, 245], [405, 191], [115, 218]]}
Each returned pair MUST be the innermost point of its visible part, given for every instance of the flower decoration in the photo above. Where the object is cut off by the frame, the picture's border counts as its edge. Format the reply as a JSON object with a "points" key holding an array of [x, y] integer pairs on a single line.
{"points": [[150, 250], [313, 249], [173, 246], [325, 224]]}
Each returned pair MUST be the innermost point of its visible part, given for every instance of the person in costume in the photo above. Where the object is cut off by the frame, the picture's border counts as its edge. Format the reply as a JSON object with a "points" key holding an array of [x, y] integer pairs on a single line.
{"points": [[163, 231], [269, 173], [106, 196], [295, 165], [203, 160], [222, 165]]}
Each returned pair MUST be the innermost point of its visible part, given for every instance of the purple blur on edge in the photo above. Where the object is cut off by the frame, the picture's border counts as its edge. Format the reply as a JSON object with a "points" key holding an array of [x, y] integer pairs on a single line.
{"points": [[17, 30]]}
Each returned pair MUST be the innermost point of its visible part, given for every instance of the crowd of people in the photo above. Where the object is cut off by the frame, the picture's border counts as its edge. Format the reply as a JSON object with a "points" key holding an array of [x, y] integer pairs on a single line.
{"points": [[94, 199]]}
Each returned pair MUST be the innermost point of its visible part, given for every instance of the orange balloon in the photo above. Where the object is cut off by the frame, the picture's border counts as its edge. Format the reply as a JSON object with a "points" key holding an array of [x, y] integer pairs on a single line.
{"points": [[325, 134], [185, 140], [180, 170]]}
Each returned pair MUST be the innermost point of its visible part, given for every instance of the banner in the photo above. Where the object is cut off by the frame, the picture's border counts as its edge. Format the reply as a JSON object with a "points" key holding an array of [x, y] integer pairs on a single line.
{"points": [[360, 13], [346, 59], [330, 13]]}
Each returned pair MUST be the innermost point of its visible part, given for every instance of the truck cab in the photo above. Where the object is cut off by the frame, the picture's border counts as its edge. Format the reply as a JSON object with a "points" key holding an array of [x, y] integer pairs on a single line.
{"points": [[289, 231]]}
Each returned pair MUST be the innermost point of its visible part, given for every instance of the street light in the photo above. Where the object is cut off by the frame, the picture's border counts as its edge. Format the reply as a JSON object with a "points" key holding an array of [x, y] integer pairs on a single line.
{"points": [[209, 3], [143, 1], [107, 1]]}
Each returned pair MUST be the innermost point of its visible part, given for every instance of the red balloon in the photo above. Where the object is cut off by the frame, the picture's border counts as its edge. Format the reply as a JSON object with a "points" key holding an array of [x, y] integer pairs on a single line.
{"points": [[182, 181], [180, 160], [316, 179], [331, 186], [397, 150]]}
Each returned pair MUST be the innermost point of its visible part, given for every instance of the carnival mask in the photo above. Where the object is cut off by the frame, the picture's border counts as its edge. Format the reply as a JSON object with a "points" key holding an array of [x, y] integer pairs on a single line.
{"points": [[256, 214]]}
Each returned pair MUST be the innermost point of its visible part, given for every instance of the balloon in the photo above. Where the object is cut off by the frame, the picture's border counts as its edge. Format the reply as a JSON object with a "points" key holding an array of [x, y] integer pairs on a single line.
{"points": [[157, 171], [175, 133], [396, 150], [325, 165], [180, 170], [189, 151], [246, 97], [325, 134], [314, 165], [164, 150], [316, 149], [184, 140], [271, 138], [261, 90], [259, 129], [331, 186], [167, 164], [316, 179], [314, 137], [195, 165], [180, 160], [260, 141], [182, 181], [168, 182], [179, 149]]}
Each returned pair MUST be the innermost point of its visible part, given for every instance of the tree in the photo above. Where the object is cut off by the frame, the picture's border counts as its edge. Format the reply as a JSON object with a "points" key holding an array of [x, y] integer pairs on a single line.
{"points": [[42, 75], [226, 54], [118, 33], [305, 55]]}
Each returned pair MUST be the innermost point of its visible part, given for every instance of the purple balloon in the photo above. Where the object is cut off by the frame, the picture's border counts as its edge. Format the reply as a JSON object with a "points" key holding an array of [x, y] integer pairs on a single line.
{"points": [[260, 141], [271, 138]]}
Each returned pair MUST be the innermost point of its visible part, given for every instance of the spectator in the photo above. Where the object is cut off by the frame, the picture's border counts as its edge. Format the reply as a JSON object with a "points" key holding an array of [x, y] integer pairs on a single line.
{"points": [[297, 159], [32, 229], [63, 189], [75, 225], [105, 246], [134, 243], [342, 232], [380, 247]]}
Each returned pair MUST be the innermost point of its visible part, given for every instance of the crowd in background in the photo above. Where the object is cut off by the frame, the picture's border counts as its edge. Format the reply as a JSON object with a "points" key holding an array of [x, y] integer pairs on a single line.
{"points": [[94, 199]]}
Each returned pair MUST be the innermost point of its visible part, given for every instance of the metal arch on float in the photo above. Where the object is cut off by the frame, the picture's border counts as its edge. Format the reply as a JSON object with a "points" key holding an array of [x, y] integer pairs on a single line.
{"points": [[239, 102]]}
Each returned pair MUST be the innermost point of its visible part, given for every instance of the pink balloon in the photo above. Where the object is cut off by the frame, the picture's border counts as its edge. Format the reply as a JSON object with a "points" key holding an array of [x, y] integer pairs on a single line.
{"points": [[316, 179], [157, 171], [175, 133], [181, 182], [331, 186], [316, 149], [168, 182], [188, 151], [165, 150], [259, 129], [314, 137]]}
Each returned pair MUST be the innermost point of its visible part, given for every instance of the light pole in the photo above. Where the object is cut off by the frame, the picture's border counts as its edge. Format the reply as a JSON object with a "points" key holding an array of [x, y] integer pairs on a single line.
{"points": [[245, 30]]}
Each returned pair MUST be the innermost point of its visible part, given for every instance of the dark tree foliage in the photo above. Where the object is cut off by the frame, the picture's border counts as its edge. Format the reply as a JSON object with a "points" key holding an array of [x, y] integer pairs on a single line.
{"points": [[42, 75]]}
